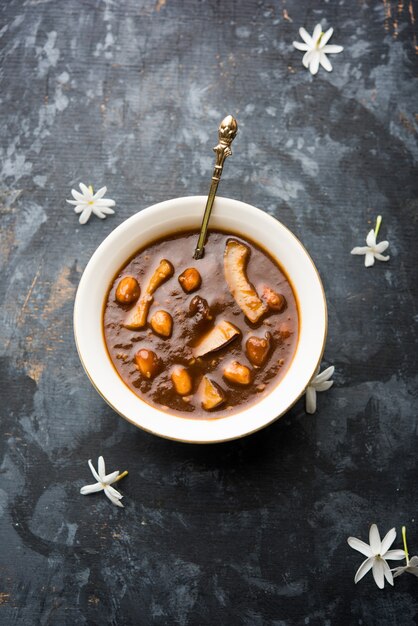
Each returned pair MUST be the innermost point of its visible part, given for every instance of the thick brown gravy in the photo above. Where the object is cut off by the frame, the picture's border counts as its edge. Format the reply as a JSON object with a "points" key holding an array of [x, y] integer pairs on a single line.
{"points": [[189, 326]]}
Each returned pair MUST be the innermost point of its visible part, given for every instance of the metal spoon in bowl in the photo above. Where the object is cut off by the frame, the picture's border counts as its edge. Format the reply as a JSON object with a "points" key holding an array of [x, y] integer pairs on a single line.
{"points": [[226, 134]]}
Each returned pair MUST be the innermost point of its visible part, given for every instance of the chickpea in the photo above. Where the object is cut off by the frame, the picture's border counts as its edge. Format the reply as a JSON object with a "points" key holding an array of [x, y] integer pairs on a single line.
{"points": [[275, 301], [182, 381], [257, 349], [190, 279], [234, 372], [162, 323], [128, 290], [147, 362]]}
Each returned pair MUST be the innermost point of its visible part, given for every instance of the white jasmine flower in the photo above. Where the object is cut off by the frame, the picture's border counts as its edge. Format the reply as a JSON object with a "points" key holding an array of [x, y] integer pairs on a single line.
{"points": [[320, 382], [104, 482], [411, 566], [316, 48], [87, 203], [377, 554], [373, 250]]}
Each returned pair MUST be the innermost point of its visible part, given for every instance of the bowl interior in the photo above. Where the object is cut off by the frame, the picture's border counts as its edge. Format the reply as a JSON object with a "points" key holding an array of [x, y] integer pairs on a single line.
{"points": [[183, 214]]}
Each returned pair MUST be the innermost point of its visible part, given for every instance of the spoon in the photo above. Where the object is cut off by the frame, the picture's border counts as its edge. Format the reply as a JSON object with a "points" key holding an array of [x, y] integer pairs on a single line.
{"points": [[226, 134]]}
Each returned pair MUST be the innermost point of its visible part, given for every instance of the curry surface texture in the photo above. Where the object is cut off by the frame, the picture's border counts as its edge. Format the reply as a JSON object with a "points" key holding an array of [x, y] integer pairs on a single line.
{"points": [[123, 344]]}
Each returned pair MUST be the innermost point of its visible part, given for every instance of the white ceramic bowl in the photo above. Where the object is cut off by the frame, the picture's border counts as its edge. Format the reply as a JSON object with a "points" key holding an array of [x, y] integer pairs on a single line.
{"points": [[182, 214]]}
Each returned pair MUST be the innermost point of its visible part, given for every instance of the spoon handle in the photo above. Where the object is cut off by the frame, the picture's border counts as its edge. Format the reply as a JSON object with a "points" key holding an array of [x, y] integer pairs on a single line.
{"points": [[226, 134]]}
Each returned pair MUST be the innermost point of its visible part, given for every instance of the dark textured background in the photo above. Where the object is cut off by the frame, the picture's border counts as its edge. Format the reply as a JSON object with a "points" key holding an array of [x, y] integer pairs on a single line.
{"points": [[129, 94]]}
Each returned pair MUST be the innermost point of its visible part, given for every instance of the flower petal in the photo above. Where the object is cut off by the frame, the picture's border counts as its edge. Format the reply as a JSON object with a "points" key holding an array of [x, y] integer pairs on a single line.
{"points": [[360, 546], [314, 64], [305, 36], [316, 33], [369, 259], [380, 257], [79, 208], [379, 573], [360, 250], [100, 193], [325, 375], [412, 570], [332, 49], [387, 541], [99, 213], [413, 561], [371, 238], [110, 478], [398, 571], [394, 555], [78, 196], [105, 209], [381, 246], [387, 573], [91, 488], [327, 384], [73, 202], [115, 493], [93, 471], [113, 500], [85, 216], [324, 61], [364, 568], [326, 37], [307, 58], [301, 46], [374, 539], [101, 468], [310, 405], [104, 202], [86, 192]]}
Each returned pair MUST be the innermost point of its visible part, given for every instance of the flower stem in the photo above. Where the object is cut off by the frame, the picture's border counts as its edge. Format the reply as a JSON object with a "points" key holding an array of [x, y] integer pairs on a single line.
{"points": [[378, 222], [91, 191], [405, 544], [125, 473]]}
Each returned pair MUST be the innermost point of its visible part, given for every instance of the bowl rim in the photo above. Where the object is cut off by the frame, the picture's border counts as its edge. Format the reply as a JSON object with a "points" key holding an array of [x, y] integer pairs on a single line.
{"points": [[166, 204]]}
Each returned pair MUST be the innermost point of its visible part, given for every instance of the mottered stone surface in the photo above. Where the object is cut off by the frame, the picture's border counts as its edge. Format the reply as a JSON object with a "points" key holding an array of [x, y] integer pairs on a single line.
{"points": [[129, 94]]}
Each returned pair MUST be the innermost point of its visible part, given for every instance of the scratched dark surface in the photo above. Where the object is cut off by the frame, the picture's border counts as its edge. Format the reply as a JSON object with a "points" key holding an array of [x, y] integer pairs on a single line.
{"points": [[129, 94]]}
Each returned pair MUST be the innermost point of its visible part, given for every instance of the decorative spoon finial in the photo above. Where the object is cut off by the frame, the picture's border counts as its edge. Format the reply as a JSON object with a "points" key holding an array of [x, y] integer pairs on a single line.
{"points": [[226, 134]]}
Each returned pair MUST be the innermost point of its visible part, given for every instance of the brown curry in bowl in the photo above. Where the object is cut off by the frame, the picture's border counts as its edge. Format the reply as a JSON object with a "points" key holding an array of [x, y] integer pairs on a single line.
{"points": [[201, 338]]}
